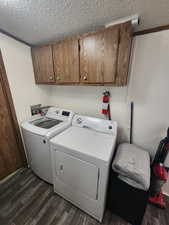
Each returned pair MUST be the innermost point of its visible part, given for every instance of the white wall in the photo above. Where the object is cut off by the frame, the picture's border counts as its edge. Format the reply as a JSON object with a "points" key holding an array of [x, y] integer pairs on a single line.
{"points": [[149, 89], [19, 69]]}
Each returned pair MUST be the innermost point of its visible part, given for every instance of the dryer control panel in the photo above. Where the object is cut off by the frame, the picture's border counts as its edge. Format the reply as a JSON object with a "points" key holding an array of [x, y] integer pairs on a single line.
{"points": [[96, 124]]}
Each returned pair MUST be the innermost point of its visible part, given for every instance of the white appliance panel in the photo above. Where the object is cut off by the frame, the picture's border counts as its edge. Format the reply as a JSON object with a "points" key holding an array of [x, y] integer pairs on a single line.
{"points": [[88, 142], [95, 124], [38, 155], [56, 113], [77, 174]]}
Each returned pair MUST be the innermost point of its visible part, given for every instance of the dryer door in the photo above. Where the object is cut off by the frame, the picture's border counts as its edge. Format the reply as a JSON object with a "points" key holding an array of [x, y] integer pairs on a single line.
{"points": [[38, 155], [77, 175]]}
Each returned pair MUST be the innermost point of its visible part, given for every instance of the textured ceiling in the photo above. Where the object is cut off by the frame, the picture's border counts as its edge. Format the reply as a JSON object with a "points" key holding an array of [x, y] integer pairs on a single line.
{"points": [[41, 21]]}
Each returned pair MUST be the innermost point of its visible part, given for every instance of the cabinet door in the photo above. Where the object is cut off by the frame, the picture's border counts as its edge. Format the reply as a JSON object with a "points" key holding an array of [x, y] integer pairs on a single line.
{"points": [[91, 58], [111, 42], [124, 53], [43, 64], [66, 61]]}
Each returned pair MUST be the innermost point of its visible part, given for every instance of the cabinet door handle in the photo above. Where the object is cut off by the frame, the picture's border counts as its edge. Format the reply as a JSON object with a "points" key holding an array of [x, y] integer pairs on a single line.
{"points": [[85, 77], [57, 77]]}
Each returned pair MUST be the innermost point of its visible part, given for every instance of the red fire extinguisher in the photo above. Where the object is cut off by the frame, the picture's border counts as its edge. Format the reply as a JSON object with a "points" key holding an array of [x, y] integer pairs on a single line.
{"points": [[106, 104]]}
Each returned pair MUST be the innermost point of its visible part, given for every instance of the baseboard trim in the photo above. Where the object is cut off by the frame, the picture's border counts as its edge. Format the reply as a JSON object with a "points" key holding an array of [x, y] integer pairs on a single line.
{"points": [[10, 175]]}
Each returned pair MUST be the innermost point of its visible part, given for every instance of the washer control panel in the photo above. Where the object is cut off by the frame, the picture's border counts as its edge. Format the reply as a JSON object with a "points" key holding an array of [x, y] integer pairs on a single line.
{"points": [[57, 113]]}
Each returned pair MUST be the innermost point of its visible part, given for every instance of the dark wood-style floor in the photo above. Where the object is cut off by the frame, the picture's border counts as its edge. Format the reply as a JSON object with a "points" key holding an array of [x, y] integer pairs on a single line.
{"points": [[27, 200]]}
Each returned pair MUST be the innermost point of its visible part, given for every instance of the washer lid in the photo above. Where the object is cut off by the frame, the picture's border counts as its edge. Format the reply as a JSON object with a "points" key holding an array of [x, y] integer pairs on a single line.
{"points": [[55, 121], [31, 126], [86, 141], [46, 123]]}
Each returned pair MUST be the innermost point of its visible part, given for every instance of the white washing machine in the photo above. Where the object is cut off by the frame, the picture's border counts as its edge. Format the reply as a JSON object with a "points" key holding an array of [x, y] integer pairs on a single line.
{"points": [[37, 132], [81, 158]]}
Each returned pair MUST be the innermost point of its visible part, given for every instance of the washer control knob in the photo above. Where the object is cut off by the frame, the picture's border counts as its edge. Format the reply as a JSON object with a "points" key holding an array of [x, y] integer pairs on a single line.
{"points": [[79, 120]]}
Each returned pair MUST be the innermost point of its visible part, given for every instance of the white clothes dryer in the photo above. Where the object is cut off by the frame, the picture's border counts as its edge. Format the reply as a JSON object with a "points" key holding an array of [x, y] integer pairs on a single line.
{"points": [[81, 158]]}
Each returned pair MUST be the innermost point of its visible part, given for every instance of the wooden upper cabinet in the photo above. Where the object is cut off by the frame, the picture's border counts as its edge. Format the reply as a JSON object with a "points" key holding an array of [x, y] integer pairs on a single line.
{"points": [[43, 64], [100, 58], [111, 44], [91, 58], [66, 61], [124, 52]]}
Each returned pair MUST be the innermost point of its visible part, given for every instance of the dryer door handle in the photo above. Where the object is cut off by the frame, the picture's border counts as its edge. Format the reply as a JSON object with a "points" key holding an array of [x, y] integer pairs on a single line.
{"points": [[61, 167]]}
